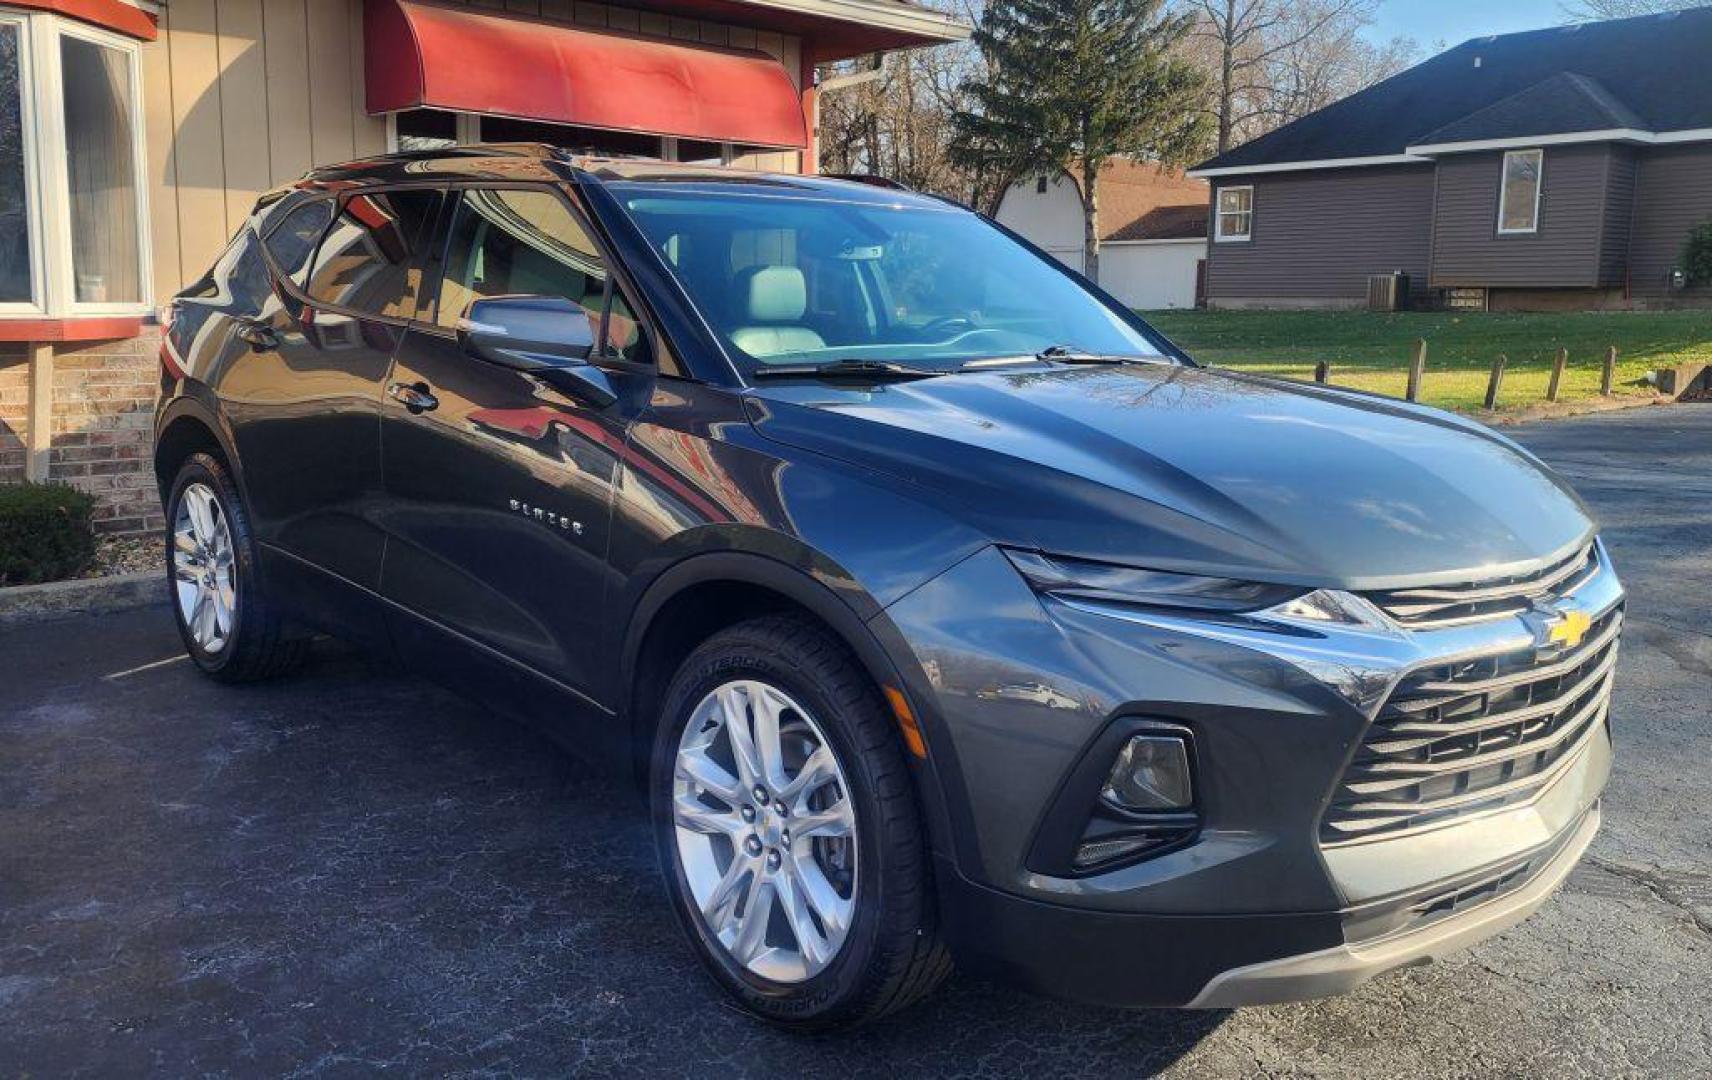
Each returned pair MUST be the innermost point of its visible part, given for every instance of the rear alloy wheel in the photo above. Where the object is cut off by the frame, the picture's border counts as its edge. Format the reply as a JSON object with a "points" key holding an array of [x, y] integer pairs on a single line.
{"points": [[788, 830], [765, 831], [205, 582], [230, 627]]}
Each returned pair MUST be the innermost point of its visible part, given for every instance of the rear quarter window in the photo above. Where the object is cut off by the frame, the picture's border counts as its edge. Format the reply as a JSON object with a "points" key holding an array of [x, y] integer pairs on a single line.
{"points": [[369, 261], [291, 236]]}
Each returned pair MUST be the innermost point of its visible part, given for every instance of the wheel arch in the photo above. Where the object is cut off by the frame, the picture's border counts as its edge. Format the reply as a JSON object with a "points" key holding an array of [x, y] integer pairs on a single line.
{"points": [[703, 594], [188, 426]]}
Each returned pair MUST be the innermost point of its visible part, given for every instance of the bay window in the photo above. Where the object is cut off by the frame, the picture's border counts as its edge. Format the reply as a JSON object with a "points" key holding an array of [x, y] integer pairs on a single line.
{"points": [[73, 228]]}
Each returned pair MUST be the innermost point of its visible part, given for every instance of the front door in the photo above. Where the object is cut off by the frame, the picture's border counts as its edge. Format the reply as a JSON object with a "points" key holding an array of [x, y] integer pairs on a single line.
{"points": [[499, 488]]}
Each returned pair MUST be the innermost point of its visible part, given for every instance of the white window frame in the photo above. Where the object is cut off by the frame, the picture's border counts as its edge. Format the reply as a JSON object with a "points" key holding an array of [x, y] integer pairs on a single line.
{"points": [[1219, 234], [1504, 190], [46, 183]]}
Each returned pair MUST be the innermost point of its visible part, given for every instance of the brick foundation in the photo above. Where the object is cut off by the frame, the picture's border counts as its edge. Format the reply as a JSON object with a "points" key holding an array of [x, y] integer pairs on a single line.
{"points": [[102, 426]]}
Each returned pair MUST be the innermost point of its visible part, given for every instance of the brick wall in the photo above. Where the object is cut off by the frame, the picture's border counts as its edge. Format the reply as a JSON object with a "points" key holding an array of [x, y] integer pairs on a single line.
{"points": [[103, 419], [14, 410]]}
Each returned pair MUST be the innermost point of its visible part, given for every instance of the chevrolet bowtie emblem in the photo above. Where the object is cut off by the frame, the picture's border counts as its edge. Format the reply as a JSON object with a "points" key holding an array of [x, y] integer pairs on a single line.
{"points": [[1570, 631]]}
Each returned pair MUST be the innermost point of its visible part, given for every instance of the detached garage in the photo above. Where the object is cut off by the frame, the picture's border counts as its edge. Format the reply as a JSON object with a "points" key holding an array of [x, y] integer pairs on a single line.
{"points": [[1153, 223]]}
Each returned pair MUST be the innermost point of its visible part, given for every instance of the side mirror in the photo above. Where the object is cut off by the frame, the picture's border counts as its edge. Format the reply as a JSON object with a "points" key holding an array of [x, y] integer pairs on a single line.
{"points": [[548, 337]]}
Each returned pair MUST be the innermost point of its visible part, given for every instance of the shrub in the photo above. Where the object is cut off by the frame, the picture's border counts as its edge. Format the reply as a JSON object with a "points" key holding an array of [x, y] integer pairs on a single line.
{"points": [[46, 533], [1697, 255]]}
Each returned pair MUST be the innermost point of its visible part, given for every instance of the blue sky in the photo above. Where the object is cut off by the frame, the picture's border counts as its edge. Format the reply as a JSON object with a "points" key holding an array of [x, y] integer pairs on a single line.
{"points": [[1455, 21]]}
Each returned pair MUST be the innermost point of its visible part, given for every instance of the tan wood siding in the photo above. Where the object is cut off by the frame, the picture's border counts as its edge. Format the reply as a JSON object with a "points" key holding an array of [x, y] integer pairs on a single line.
{"points": [[1673, 193], [1318, 235], [286, 24], [1562, 253], [243, 95]]}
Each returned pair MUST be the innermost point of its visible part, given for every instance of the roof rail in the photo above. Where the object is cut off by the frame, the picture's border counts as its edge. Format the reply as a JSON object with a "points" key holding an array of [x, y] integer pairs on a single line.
{"points": [[869, 179]]}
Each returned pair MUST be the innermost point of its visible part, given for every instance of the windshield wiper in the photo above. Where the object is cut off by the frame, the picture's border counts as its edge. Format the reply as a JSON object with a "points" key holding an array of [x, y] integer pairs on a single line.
{"points": [[1069, 354], [846, 369]]}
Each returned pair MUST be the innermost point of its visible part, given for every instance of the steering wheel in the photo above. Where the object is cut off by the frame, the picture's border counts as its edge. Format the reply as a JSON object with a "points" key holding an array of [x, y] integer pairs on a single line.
{"points": [[948, 322]]}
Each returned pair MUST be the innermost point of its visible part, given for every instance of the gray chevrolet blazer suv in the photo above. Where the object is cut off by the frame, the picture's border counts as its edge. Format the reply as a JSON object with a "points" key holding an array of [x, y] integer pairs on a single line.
{"points": [[942, 608]]}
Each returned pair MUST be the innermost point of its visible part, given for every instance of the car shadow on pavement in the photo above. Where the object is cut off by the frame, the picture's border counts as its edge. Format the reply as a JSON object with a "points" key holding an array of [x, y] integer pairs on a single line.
{"points": [[347, 869], [599, 868]]}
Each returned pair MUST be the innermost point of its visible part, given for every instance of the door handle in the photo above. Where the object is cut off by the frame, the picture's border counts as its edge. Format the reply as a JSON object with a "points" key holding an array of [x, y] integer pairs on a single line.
{"points": [[416, 397], [257, 335]]}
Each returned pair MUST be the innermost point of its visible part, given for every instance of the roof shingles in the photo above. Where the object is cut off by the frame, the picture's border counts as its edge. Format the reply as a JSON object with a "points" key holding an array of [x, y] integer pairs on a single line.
{"points": [[1647, 72]]}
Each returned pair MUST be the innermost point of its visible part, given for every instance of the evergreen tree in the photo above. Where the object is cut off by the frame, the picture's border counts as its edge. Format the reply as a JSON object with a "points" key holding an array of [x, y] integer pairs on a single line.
{"points": [[1071, 84]]}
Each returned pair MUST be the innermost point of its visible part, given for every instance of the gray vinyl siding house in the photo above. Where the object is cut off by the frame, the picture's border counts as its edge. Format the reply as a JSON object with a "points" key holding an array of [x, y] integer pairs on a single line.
{"points": [[1604, 132]]}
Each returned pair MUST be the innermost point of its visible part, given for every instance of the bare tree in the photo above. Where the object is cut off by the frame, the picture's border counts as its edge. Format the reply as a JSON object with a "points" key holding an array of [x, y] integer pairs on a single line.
{"points": [[1312, 70], [1595, 10], [898, 123], [1248, 47]]}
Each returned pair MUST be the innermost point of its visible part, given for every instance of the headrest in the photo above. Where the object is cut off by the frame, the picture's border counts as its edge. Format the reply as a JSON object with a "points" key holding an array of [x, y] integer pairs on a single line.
{"points": [[775, 294]]}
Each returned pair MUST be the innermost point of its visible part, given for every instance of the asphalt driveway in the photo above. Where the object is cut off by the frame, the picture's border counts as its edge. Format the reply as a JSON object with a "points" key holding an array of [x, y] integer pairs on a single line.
{"points": [[351, 872]]}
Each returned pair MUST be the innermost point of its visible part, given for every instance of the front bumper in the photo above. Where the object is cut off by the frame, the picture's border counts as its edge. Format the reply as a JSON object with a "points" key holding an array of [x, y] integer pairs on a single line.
{"points": [[1218, 961], [1260, 906], [1344, 967]]}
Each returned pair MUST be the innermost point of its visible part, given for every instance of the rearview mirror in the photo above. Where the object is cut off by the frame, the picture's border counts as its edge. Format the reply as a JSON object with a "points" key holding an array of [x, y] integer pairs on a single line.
{"points": [[548, 337]]}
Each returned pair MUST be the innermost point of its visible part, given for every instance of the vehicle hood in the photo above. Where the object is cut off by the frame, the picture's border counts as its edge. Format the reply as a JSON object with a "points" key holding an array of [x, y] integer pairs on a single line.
{"points": [[1198, 470]]}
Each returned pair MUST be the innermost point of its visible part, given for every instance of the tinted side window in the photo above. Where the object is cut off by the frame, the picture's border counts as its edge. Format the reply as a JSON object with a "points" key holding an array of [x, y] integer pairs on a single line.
{"points": [[368, 261], [518, 243], [291, 240]]}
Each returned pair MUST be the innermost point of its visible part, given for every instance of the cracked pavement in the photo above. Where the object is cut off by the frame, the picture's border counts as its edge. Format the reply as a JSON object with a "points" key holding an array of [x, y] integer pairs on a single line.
{"points": [[349, 872]]}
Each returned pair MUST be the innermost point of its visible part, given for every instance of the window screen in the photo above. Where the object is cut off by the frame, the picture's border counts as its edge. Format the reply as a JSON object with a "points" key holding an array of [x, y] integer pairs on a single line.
{"points": [[1519, 209], [15, 284], [367, 262], [105, 247]]}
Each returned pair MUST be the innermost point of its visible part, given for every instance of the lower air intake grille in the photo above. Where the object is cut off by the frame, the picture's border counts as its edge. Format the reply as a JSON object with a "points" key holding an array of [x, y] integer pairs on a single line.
{"points": [[1465, 737]]}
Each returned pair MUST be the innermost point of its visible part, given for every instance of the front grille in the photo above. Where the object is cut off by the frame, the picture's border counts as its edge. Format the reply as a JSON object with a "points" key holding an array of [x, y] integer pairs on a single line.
{"points": [[1457, 604], [1474, 735]]}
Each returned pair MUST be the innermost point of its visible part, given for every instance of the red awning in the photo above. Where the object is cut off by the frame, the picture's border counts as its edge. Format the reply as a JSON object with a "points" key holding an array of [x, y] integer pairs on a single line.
{"points": [[423, 55]]}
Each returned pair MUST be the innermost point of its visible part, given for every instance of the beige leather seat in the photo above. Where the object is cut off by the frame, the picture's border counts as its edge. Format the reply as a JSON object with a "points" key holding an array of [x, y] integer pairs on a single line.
{"points": [[775, 299]]}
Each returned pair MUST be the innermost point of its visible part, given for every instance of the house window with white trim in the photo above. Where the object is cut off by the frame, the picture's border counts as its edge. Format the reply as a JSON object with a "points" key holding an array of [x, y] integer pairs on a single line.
{"points": [[1235, 219], [73, 237], [1519, 194]]}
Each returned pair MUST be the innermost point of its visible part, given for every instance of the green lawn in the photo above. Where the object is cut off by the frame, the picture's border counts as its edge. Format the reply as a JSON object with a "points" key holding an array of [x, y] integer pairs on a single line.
{"points": [[1371, 351]]}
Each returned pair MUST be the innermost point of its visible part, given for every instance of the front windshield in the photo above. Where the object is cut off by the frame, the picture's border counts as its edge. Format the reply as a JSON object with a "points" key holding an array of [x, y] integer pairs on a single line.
{"points": [[788, 279]]}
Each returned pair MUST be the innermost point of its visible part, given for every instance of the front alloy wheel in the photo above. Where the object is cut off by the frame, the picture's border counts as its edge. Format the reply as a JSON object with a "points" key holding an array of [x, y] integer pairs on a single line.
{"points": [[788, 829], [765, 831]]}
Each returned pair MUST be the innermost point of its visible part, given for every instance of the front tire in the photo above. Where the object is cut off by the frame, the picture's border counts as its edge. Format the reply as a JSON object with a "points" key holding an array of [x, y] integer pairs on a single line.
{"points": [[231, 628], [768, 727]]}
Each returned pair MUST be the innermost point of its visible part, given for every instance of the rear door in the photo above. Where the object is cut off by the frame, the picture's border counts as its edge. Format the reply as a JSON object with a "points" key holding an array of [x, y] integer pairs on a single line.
{"points": [[499, 488], [304, 395]]}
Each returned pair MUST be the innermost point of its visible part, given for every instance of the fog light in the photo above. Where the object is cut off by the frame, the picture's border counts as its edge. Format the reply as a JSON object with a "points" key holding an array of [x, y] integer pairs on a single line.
{"points": [[1151, 773]]}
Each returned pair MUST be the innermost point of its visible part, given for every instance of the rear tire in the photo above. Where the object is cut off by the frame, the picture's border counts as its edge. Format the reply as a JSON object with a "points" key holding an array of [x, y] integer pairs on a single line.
{"points": [[879, 950], [231, 628]]}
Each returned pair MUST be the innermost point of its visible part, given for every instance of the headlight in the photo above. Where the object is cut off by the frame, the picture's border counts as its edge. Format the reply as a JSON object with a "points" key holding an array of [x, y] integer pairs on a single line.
{"points": [[1080, 579]]}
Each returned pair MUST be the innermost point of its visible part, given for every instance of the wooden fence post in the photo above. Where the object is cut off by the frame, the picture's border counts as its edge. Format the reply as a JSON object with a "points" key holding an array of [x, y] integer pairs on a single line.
{"points": [[1609, 373], [1557, 374], [1322, 372], [1494, 383], [1417, 368]]}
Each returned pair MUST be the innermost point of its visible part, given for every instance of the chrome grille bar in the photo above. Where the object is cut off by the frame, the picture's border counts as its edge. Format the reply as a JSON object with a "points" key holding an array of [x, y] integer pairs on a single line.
{"points": [[1453, 605], [1462, 736]]}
